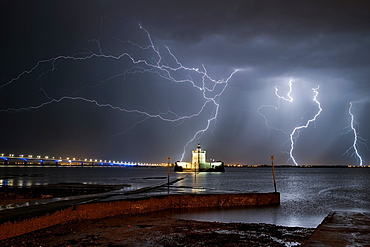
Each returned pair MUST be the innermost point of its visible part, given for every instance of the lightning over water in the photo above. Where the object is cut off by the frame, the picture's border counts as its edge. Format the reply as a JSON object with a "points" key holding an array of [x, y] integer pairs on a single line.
{"points": [[356, 138], [293, 134], [169, 69], [127, 81]]}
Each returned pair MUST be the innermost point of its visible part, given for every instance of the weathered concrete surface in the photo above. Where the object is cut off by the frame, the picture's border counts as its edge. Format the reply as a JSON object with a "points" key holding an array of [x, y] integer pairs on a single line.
{"points": [[157, 203], [129, 207], [342, 229]]}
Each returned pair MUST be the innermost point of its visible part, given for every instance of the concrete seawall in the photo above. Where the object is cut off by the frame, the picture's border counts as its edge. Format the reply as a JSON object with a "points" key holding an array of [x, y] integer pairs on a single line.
{"points": [[135, 206]]}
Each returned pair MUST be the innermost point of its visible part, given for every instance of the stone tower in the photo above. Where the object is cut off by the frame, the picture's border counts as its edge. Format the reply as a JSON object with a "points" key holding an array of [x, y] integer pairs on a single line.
{"points": [[198, 158], [199, 163]]}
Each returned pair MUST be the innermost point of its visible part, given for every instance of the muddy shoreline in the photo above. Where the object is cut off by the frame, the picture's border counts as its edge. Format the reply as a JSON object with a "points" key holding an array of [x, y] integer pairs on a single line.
{"points": [[149, 229], [160, 229]]}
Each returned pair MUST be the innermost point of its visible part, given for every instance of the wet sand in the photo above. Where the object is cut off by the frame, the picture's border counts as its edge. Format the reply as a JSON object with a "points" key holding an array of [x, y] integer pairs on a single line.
{"points": [[159, 229]]}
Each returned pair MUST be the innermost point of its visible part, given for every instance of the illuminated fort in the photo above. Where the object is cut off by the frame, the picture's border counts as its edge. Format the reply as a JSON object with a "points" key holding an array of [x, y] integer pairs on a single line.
{"points": [[199, 163]]}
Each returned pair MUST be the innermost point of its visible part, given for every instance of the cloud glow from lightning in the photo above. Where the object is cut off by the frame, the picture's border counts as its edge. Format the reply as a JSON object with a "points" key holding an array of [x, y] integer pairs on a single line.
{"points": [[211, 89], [356, 138]]}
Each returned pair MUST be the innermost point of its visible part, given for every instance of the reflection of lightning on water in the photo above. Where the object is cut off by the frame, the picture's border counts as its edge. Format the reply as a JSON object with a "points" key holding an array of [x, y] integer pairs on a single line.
{"points": [[357, 139], [294, 134], [211, 89]]}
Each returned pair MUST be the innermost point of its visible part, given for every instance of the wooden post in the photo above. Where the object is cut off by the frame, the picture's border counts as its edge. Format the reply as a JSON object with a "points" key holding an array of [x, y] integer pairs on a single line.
{"points": [[273, 171], [168, 173]]}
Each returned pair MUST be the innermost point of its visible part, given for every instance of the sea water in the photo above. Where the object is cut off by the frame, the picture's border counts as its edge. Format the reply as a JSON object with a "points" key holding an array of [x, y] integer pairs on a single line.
{"points": [[307, 194]]}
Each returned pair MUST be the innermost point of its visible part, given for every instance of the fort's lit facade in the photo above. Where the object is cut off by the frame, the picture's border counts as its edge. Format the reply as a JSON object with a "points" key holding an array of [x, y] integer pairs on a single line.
{"points": [[199, 163]]}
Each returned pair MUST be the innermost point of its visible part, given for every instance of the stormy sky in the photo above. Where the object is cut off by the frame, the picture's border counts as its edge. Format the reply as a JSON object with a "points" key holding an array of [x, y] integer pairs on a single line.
{"points": [[141, 80]]}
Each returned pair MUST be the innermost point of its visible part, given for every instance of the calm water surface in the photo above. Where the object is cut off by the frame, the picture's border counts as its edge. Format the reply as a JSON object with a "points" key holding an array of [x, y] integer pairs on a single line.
{"points": [[307, 194], [136, 177]]}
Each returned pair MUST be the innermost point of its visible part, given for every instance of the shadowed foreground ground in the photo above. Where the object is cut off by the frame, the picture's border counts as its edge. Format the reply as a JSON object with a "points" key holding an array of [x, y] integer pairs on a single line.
{"points": [[158, 229], [152, 229]]}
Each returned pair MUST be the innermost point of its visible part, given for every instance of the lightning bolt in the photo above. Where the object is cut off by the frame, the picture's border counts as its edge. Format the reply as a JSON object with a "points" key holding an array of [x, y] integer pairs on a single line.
{"points": [[289, 99], [297, 129], [293, 134], [357, 139], [213, 117], [210, 88]]}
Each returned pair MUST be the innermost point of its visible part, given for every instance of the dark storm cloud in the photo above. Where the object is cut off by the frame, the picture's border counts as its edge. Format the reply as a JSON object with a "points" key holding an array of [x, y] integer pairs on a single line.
{"points": [[309, 34], [312, 42], [193, 20]]}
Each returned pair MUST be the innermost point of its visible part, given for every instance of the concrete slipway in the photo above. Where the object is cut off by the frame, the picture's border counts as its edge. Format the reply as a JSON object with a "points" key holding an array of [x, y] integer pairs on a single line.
{"points": [[342, 228]]}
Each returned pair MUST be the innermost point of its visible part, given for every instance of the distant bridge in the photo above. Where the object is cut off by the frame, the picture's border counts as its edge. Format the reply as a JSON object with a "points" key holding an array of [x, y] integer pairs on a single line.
{"points": [[11, 159]]}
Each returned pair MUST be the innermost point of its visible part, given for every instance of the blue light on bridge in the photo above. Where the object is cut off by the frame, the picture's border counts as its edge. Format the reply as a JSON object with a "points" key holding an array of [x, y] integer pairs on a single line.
{"points": [[21, 160]]}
